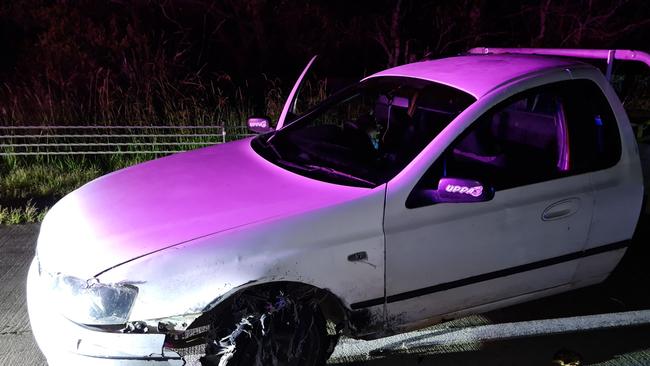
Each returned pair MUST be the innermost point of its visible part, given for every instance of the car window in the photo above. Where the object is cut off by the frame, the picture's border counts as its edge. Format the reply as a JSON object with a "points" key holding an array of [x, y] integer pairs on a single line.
{"points": [[367, 134], [546, 133], [593, 132], [521, 142]]}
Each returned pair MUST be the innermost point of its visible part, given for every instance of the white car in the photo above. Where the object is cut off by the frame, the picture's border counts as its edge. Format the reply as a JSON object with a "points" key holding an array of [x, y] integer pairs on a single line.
{"points": [[421, 193]]}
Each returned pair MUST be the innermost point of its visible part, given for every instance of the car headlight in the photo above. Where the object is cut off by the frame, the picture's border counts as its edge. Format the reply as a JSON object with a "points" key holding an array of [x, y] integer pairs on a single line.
{"points": [[93, 303]]}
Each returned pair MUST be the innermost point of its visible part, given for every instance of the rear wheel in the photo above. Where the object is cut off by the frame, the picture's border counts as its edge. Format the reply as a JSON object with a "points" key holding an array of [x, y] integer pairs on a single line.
{"points": [[281, 332]]}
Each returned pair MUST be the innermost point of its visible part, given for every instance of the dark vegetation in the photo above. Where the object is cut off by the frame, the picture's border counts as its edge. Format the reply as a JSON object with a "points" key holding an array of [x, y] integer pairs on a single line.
{"points": [[195, 62]]}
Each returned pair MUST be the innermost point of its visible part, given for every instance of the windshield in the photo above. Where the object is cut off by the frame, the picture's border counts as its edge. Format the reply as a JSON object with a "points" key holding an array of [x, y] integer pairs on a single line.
{"points": [[365, 134]]}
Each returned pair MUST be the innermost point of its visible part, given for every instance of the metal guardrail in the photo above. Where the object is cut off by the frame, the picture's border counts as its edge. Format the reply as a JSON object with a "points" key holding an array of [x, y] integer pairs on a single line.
{"points": [[105, 140]]}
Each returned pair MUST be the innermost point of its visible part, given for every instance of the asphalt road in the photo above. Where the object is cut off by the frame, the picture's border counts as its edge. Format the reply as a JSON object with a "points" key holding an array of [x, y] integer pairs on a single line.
{"points": [[17, 346], [627, 289]]}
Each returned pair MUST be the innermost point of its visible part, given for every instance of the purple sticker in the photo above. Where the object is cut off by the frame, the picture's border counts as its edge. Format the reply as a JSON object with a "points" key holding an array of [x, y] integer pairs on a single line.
{"points": [[258, 122], [475, 191], [461, 190]]}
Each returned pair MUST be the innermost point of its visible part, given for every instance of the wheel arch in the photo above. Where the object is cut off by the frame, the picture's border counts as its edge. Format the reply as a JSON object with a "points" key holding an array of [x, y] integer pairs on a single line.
{"points": [[331, 306]]}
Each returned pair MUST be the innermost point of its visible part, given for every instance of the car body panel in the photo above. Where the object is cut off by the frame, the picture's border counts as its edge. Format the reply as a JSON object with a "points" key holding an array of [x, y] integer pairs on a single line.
{"points": [[164, 202], [192, 229], [290, 104], [65, 343], [618, 192], [481, 240], [477, 75], [311, 247], [470, 244]]}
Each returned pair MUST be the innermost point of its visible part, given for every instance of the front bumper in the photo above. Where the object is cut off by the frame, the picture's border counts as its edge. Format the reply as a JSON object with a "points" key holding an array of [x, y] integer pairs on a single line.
{"points": [[66, 343]]}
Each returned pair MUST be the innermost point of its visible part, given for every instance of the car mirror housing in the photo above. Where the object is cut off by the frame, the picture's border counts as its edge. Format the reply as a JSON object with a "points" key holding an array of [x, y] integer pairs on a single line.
{"points": [[259, 124], [463, 190], [451, 190]]}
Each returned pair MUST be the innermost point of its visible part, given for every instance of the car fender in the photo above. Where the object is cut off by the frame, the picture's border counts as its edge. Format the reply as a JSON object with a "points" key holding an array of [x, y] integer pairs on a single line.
{"points": [[310, 247]]}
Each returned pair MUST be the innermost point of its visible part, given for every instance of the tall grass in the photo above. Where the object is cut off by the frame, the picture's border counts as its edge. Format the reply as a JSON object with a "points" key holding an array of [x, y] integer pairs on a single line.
{"points": [[164, 104], [29, 185]]}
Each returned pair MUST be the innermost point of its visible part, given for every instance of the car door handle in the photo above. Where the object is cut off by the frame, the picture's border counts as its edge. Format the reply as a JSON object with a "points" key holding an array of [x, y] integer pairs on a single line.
{"points": [[561, 209], [356, 257]]}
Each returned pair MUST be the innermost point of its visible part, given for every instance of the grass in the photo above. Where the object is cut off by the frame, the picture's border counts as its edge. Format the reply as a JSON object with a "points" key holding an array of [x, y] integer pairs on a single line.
{"points": [[28, 190], [21, 215], [30, 185]]}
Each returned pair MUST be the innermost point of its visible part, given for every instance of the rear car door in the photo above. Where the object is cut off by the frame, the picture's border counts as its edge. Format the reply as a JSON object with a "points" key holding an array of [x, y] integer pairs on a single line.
{"points": [[604, 147], [444, 257]]}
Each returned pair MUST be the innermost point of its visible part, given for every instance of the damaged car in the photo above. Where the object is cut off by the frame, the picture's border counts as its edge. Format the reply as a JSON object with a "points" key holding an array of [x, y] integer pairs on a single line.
{"points": [[421, 193]]}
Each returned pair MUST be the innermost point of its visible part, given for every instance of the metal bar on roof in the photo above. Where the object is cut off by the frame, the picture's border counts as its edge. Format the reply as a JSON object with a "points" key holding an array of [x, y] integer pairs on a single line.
{"points": [[610, 64], [627, 55]]}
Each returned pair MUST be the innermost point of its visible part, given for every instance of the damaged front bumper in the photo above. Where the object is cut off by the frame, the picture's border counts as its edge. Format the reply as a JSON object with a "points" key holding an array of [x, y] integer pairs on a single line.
{"points": [[66, 343]]}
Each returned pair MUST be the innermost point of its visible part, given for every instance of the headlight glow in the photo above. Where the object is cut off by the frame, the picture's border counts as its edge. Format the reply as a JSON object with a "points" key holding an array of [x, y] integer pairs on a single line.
{"points": [[90, 302]]}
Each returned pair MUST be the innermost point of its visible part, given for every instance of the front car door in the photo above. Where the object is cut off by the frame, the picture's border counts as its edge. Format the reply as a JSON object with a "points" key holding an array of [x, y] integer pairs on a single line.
{"points": [[442, 258]]}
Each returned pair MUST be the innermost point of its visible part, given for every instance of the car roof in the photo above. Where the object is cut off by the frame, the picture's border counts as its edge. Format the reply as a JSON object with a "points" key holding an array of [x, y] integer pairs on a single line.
{"points": [[477, 74]]}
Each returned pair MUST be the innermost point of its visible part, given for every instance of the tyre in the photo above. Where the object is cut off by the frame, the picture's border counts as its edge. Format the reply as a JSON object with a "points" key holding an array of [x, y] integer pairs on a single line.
{"points": [[282, 332]]}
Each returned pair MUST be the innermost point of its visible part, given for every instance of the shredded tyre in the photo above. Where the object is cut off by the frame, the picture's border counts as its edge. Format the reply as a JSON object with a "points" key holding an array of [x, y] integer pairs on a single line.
{"points": [[284, 333]]}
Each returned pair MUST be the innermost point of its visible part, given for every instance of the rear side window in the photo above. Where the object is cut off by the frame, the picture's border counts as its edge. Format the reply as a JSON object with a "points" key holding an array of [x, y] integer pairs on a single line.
{"points": [[545, 133], [594, 138]]}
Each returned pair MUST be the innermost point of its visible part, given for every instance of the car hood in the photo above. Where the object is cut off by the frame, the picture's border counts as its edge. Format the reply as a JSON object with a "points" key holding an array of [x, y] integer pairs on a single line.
{"points": [[175, 199]]}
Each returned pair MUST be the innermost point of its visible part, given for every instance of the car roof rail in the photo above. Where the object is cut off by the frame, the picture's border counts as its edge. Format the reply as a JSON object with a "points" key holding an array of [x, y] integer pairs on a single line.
{"points": [[608, 55]]}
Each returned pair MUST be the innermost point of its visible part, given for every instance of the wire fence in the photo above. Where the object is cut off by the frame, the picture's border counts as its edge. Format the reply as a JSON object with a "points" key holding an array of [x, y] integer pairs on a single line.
{"points": [[106, 140]]}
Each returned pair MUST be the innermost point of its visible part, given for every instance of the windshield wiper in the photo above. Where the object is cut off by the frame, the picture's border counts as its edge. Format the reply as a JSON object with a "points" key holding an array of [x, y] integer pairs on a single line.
{"points": [[327, 170]]}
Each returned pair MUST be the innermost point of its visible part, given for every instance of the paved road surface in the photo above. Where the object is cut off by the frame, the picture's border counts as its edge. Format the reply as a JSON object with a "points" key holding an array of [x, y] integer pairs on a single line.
{"points": [[17, 345], [628, 289]]}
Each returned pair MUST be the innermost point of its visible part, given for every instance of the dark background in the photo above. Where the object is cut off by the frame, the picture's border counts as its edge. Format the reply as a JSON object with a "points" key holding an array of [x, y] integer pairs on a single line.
{"points": [[165, 61]]}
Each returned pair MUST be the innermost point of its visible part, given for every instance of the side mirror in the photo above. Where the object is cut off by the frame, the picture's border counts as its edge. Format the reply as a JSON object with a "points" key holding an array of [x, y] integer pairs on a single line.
{"points": [[259, 124], [463, 190], [451, 190]]}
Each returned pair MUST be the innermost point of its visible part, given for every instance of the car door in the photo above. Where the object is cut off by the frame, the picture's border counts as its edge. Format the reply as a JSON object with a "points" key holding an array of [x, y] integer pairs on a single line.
{"points": [[442, 257], [605, 149], [290, 104]]}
